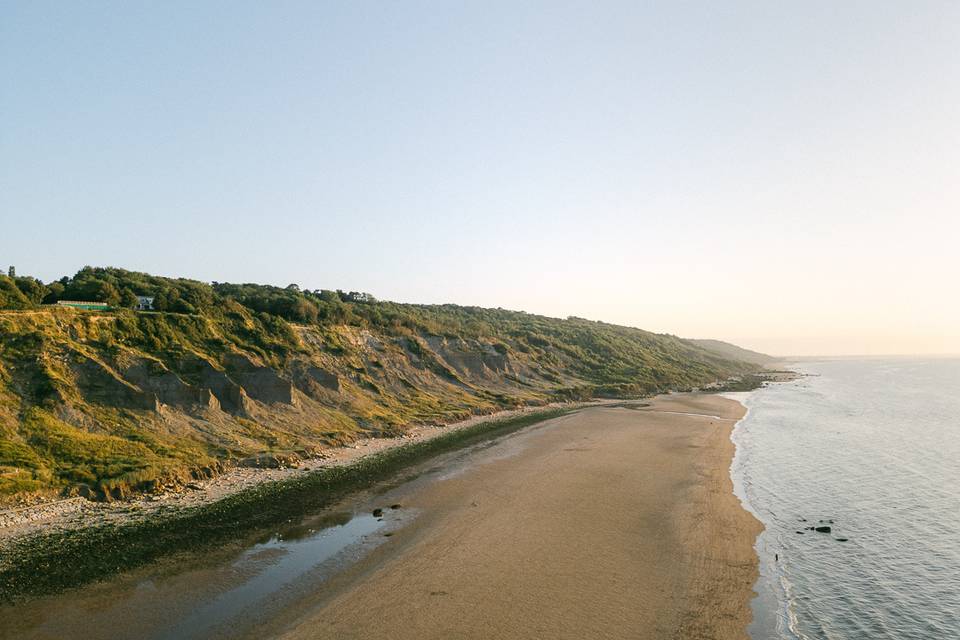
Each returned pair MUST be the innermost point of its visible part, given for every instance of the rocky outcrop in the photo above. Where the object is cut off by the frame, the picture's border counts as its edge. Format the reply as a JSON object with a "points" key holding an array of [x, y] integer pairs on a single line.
{"points": [[471, 358], [260, 382], [153, 376], [228, 394], [313, 380], [100, 384]]}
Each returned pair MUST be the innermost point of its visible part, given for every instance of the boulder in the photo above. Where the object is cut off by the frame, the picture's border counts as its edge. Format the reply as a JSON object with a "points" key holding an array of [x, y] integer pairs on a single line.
{"points": [[271, 460]]}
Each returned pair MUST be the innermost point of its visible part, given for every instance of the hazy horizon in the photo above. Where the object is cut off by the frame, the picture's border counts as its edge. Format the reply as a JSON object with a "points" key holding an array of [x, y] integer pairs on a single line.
{"points": [[785, 180]]}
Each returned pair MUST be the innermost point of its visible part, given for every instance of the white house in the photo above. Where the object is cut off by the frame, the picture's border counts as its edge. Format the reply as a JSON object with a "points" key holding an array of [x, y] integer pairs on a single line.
{"points": [[144, 303]]}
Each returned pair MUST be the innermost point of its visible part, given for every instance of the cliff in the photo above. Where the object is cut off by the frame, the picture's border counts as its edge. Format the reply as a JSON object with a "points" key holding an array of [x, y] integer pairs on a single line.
{"points": [[104, 403]]}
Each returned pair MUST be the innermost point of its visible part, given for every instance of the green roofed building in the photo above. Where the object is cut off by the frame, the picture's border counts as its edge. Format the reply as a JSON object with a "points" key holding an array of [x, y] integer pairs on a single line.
{"points": [[92, 306]]}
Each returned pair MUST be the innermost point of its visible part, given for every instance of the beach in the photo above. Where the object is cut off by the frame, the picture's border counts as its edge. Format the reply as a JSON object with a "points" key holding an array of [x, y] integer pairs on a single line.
{"points": [[613, 522]]}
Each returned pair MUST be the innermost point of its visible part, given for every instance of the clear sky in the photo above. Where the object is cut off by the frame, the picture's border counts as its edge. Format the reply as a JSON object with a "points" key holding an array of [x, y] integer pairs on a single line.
{"points": [[785, 176]]}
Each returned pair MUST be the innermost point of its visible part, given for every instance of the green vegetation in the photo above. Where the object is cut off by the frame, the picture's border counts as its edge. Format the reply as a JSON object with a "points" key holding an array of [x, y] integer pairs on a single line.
{"points": [[52, 562], [103, 403], [734, 352]]}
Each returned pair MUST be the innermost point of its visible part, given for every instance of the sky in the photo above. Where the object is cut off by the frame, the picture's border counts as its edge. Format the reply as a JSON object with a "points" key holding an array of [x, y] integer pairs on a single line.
{"points": [[785, 176]]}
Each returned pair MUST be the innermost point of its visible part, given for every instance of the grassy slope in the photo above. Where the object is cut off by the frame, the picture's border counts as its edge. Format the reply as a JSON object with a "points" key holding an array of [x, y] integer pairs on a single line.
{"points": [[734, 352], [112, 402]]}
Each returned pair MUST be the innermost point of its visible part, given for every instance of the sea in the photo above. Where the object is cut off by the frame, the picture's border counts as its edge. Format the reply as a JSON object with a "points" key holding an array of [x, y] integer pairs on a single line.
{"points": [[871, 449]]}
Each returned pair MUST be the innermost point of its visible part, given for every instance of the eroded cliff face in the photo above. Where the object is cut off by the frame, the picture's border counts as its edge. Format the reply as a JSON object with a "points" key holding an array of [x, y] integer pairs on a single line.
{"points": [[105, 404]]}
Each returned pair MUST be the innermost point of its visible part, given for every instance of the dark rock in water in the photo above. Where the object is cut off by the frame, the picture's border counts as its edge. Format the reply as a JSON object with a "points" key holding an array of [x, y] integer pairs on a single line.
{"points": [[388, 534], [395, 506], [822, 529], [800, 532], [803, 519], [377, 513], [842, 539]]}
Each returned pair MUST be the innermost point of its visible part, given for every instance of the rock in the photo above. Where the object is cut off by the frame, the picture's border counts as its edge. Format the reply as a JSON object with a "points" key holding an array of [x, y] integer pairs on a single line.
{"points": [[395, 506], [194, 486], [270, 460], [822, 529], [377, 513], [85, 491], [260, 382], [800, 532], [842, 539]]}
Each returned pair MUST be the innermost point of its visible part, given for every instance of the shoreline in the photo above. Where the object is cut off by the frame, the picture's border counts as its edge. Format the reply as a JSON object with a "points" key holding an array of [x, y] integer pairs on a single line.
{"points": [[763, 612], [642, 537]]}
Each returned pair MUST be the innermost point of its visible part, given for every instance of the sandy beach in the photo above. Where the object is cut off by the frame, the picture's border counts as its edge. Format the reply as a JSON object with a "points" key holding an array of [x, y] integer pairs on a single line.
{"points": [[612, 522]]}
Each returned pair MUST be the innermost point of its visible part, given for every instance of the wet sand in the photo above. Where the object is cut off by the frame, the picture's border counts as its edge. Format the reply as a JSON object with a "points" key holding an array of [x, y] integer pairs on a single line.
{"points": [[611, 522]]}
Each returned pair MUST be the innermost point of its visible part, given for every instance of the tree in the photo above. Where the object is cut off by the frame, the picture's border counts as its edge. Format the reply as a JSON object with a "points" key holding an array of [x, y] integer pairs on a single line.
{"points": [[31, 288], [10, 295], [161, 302], [109, 294], [91, 289], [128, 299], [54, 293]]}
